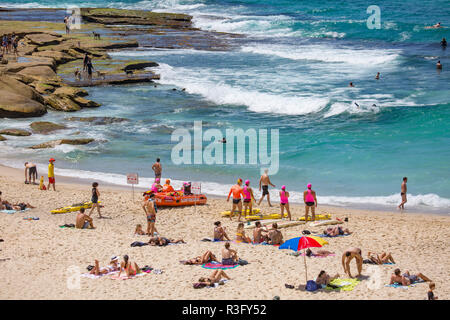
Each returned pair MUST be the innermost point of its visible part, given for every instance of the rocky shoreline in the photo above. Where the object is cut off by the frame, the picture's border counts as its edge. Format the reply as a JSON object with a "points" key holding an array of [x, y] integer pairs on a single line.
{"points": [[41, 77]]}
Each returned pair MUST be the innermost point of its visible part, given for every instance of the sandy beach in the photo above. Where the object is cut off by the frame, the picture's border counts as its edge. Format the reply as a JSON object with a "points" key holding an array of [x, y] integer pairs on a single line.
{"points": [[38, 257]]}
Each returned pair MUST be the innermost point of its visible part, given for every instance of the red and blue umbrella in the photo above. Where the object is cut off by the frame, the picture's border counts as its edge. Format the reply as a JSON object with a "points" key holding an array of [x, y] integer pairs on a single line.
{"points": [[303, 243]]}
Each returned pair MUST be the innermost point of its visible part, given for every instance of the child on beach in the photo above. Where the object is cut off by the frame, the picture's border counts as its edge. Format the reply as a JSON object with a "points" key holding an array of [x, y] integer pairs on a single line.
{"points": [[248, 198], [94, 200], [219, 232], [284, 202], [41, 184], [240, 234], [139, 230], [51, 174], [431, 296]]}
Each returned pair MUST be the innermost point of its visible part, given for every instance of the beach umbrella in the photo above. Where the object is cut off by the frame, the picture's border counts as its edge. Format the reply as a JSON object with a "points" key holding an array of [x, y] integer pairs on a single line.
{"points": [[303, 243]]}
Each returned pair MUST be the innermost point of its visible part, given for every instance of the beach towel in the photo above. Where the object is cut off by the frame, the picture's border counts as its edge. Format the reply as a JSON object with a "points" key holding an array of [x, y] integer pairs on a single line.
{"points": [[398, 285], [219, 266], [125, 277], [211, 240], [343, 284], [93, 276], [327, 236], [14, 211]]}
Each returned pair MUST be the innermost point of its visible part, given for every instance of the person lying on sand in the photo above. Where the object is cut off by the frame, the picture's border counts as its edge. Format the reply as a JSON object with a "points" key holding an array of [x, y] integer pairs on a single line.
{"points": [[275, 235], [318, 253], [139, 231], [162, 242], [380, 258], [130, 268], [229, 256], [219, 232], [215, 277], [5, 205], [336, 231], [406, 279], [83, 221], [240, 234], [348, 256], [324, 279], [113, 266], [258, 235], [207, 257]]}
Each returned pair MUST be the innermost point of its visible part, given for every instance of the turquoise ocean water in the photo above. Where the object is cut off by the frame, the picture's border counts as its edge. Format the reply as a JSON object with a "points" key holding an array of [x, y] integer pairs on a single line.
{"points": [[290, 72]]}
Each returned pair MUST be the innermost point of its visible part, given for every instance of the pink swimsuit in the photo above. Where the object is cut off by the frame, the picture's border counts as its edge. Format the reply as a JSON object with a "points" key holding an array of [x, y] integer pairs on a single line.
{"points": [[247, 193], [154, 187], [309, 197], [283, 198]]}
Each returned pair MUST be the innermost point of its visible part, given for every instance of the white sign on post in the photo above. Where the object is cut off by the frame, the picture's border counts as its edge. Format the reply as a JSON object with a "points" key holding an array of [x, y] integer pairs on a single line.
{"points": [[132, 178]]}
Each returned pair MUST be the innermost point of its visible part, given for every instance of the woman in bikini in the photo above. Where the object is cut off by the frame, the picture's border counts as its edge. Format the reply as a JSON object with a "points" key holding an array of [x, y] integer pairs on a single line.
{"points": [[131, 269], [207, 257], [336, 231], [240, 234], [113, 266], [219, 232], [380, 258], [284, 202], [215, 277]]}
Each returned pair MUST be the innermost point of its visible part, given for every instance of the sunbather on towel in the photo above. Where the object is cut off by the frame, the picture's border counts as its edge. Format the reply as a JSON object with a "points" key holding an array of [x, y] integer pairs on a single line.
{"points": [[162, 242], [113, 266], [324, 279], [5, 205], [336, 231], [130, 268], [318, 253], [349, 255], [380, 258], [207, 257], [215, 277], [406, 279]]}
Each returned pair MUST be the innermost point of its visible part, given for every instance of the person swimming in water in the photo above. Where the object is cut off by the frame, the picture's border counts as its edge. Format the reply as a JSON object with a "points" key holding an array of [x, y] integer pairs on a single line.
{"points": [[248, 198], [439, 65], [284, 202], [443, 43], [377, 77], [351, 84], [236, 190], [309, 197]]}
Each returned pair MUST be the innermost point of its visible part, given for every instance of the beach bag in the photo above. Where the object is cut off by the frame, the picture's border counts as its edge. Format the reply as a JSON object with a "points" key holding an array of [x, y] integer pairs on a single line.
{"points": [[242, 262], [311, 285]]}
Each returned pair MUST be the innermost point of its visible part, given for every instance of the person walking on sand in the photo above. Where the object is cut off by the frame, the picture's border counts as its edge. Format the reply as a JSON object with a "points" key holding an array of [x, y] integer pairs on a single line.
{"points": [[348, 256], [51, 174], [248, 198], [236, 190], [401, 206], [264, 183], [32, 172], [149, 207], [284, 202], [94, 200], [310, 200], [157, 168]]}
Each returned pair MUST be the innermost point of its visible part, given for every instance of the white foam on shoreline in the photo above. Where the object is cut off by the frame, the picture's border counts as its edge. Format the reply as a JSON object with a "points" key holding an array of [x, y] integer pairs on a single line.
{"points": [[420, 201]]}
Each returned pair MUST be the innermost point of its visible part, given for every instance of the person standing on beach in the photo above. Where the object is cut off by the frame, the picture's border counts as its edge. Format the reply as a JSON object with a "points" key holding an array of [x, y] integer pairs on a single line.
{"points": [[51, 174], [32, 172], [309, 197], [284, 202], [348, 256], [149, 207], [264, 182], [237, 192], [248, 198], [94, 199], [89, 68], [403, 193], [157, 168]]}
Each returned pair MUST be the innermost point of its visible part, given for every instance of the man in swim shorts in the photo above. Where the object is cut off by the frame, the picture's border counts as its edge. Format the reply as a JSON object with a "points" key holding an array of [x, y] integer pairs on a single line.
{"points": [[32, 172], [157, 168], [237, 192], [51, 174], [264, 183], [403, 193], [83, 221], [275, 235], [258, 236], [348, 256], [406, 279], [229, 256], [439, 65], [148, 205]]}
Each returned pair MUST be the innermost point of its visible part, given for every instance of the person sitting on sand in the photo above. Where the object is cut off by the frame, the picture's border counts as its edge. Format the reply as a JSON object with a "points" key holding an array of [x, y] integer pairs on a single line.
{"points": [[258, 236], [406, 279], [113, 266], [240, 234], [219, 232], [229, 256], [215, 277], [138, 231], [275, 235], [336, 231], [380, 258], [83, 221], [148, 205], [167, 187], [323, 279], [130, 269], [348, 256], [431, 296], [207, 257], [318, 253]]}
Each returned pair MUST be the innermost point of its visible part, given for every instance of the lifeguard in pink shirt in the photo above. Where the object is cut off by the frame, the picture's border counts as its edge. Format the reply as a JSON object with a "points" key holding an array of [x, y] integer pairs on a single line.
{"points": [[284, 202], [309, 197]]}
